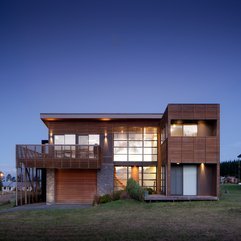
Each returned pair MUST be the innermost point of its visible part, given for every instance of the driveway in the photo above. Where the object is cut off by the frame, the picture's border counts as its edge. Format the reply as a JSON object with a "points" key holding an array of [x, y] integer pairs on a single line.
{"points": [[43, 206]]}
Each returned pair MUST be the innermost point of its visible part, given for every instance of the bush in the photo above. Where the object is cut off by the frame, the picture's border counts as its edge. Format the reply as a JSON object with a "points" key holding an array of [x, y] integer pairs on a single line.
{"points": [[135, 190], [105, 198]]}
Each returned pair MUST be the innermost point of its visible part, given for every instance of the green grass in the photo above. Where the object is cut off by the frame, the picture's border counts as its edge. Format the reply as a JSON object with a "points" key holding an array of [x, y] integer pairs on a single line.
{"points": [[131, 220]]}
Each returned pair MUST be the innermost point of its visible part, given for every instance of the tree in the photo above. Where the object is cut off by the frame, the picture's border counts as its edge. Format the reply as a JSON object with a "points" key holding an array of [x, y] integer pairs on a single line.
{"points": [[9, 178], [230, 168]]}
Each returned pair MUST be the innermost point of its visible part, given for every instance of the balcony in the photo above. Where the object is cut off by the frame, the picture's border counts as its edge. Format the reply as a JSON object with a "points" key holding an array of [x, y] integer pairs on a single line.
{"points": [[58, 156]]}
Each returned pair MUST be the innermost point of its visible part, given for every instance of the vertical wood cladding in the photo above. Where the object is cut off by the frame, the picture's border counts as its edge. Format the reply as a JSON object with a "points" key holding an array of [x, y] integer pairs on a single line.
{"points": [[194, 149], [204, 148]]}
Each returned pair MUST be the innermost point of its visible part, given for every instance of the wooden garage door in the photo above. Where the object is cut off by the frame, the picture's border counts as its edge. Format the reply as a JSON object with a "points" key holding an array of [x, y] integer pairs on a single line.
{"points": [[75, 186]]}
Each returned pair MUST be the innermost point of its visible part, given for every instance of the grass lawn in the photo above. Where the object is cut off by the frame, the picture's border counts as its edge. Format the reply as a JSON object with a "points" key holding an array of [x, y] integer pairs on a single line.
{"points": [[131, 220]]}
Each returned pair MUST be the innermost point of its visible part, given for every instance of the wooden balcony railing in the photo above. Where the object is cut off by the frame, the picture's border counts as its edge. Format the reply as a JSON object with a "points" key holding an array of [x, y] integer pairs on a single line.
{"points": [[59, 156]]}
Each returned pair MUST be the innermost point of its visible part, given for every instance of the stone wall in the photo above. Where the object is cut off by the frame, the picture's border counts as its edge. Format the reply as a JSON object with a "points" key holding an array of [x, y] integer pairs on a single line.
{"points": [[105, 179], [50, 189]]}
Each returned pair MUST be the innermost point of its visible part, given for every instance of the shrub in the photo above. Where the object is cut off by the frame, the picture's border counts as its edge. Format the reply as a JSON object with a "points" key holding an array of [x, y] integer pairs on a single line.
{"points": [[134, 190], [105, 198]]}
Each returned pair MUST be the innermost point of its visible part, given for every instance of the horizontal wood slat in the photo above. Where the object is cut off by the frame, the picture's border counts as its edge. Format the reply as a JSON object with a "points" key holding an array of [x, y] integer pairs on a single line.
{"points": [[75, 186]]}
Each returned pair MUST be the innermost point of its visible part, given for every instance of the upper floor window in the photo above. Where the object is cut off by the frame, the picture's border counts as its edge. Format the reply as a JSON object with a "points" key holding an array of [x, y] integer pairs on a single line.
{"points": [[176, 130], [193, 128], [183, 129], [89, 139], [135, 144], [67, 139], [190, 130]]}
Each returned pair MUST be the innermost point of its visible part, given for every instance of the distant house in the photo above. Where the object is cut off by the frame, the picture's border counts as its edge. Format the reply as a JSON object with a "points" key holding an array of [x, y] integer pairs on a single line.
{"points": [[8, 187], [175, 154]]}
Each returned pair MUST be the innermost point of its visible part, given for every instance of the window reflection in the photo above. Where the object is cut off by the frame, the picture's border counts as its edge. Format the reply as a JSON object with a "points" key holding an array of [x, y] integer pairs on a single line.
{"points": [[136, 144], [145, 176]]}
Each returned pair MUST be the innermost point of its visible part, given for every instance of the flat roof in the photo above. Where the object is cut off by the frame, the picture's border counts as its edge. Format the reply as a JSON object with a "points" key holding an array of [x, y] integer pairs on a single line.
{"points": [[99, 116]]}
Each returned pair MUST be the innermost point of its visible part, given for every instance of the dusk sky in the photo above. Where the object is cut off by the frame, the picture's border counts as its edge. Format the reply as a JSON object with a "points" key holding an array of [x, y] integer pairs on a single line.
{"points": [[116, 56]]}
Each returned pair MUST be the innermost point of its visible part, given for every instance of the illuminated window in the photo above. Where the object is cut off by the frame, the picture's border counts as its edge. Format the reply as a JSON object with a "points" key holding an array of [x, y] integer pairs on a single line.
{"points": [[189, 130], [176, 130], [135, 144]]}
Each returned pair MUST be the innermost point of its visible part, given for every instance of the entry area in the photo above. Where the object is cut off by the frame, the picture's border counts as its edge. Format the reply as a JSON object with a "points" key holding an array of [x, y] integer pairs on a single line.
{"points": [[193, 179], [75, 186], [184, 180]]}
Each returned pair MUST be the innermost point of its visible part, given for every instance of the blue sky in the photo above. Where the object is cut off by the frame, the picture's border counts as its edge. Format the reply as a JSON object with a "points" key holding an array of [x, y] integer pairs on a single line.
{"points": [[116, 56]]}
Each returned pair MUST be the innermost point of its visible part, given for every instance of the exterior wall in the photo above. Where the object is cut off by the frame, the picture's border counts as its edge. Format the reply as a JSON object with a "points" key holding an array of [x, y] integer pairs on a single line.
{"points": [[105, 179], [50, 189], [207, 184], [204, 148]]}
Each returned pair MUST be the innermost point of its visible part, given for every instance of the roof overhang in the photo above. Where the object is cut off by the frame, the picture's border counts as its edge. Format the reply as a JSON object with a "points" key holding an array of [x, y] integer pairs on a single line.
{"points": [[48, 117]]}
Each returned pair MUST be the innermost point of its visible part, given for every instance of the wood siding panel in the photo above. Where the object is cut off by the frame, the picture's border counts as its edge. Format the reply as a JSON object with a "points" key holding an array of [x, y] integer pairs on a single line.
{"points": [[200, 112], [199, 149], [75, 186], [187, 150], [212, 152], [175, 149], [187, 112]]}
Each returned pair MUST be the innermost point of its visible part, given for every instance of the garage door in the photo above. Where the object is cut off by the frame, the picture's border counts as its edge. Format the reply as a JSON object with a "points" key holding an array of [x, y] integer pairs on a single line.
{"points": [[75, 186]]}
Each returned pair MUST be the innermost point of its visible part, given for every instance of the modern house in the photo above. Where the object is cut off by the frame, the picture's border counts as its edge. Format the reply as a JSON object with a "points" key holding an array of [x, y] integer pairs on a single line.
{"points": [[175, 153]]}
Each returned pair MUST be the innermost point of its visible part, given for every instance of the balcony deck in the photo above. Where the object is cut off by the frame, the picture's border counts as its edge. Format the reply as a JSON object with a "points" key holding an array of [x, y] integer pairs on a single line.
{"points": [[58, 156]]}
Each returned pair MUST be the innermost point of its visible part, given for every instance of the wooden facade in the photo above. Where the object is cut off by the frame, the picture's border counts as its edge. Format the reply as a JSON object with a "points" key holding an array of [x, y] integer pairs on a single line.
{"points": [[203, 148], [76, 170]]}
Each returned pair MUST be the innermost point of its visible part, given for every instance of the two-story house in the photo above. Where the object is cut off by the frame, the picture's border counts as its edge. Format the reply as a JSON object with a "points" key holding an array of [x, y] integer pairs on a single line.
{"points": [[176, 154]]}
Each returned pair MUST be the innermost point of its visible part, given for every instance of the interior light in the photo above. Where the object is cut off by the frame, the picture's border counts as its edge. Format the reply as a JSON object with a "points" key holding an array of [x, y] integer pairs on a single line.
{"points": [[178, 163]]}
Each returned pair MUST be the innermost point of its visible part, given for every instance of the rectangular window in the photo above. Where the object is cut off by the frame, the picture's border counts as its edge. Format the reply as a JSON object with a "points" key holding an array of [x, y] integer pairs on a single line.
{"points": [[94, 139], [120, 151], [189, 130], [89, 140], [120, 143], [120, 136], [120, 158], [176, 130], [83, 140]]}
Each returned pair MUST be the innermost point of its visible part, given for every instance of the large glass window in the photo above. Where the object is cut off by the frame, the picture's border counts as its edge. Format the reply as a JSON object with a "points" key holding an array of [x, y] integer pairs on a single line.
{"points": [[135, 144], [145, 176]]}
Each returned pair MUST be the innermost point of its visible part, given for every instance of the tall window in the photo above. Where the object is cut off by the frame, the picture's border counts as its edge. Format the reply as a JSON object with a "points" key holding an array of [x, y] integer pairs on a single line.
{"points": [[135, 144]]}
